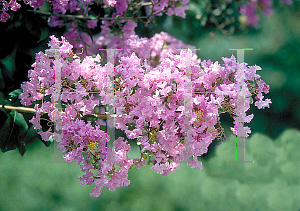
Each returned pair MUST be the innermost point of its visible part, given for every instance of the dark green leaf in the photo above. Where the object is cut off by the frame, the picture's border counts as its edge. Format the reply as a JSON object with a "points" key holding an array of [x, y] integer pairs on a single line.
{"points": [[82, 27], [31, 135], [3, 118], [19, 120], [30, 22], [19, 132], [97, 110], [90, 118], [5, 134], [44, 34], [6, 74], [2, 99], [22, 148], [15, 93], [2, 83], [13, 132], [102, 127]]}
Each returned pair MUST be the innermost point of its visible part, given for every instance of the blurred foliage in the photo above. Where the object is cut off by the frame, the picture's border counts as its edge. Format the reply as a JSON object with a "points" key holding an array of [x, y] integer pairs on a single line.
{"points": [[271, 183]]}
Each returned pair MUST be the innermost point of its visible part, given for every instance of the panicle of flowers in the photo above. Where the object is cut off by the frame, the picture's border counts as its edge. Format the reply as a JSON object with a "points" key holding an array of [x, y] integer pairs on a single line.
{"points": [[153, 49], [150, 106]]}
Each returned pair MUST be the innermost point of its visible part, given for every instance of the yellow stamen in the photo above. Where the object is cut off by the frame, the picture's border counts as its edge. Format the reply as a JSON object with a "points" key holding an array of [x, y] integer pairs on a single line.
{"points": [[93, 146], [153, 137], [211, 129], [199, 115]]}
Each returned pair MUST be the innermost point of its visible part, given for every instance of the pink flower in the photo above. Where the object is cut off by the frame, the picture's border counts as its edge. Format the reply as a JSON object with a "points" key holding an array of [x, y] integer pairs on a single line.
{"points": [[35, 121], [54, 21], [45, 135], [121, 145], [14, 5], [110, 3], [159, 168], [36, 3], [121, 6], [95, 192], [86, 177], [240, 130], [178, 11], [194, 162], [260, 103], [4, 16], [92, 23], [262, 87], [151, 97], [250, 11], [69, 157]]}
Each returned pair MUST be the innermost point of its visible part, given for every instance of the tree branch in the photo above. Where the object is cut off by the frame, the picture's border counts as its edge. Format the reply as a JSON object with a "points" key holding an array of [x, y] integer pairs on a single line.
{"points": [[32, 110], [83, 17], [22, 109]]}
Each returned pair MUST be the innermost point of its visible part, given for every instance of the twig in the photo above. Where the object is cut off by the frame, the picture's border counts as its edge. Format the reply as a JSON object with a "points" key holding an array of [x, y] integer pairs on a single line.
{"points": [[32, 110], [82, 16], [22, 109]]}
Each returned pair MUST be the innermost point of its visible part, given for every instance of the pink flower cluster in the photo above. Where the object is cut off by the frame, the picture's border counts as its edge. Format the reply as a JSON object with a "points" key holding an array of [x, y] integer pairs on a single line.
{"points": [[178, 7], [150, 106], [153, 49], [13, 5], [254, 7], [78, 138]]}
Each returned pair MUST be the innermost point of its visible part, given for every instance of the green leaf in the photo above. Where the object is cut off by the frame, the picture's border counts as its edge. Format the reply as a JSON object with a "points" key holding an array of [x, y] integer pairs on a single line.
{"points": [[44, 34], [15, 93], [82, 27], [3, 118], [9, 61], [103, 128], [97, 110], [167, 106], [90, 118], [5, 133], [2, 99], [31, 135], [13, 132], [19, 132], [20, 120], [22, 148]]}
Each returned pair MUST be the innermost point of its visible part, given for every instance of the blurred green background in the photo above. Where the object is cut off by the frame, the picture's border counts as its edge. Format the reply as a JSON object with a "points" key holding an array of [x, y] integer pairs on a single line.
{"points": [[271, 183]]}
